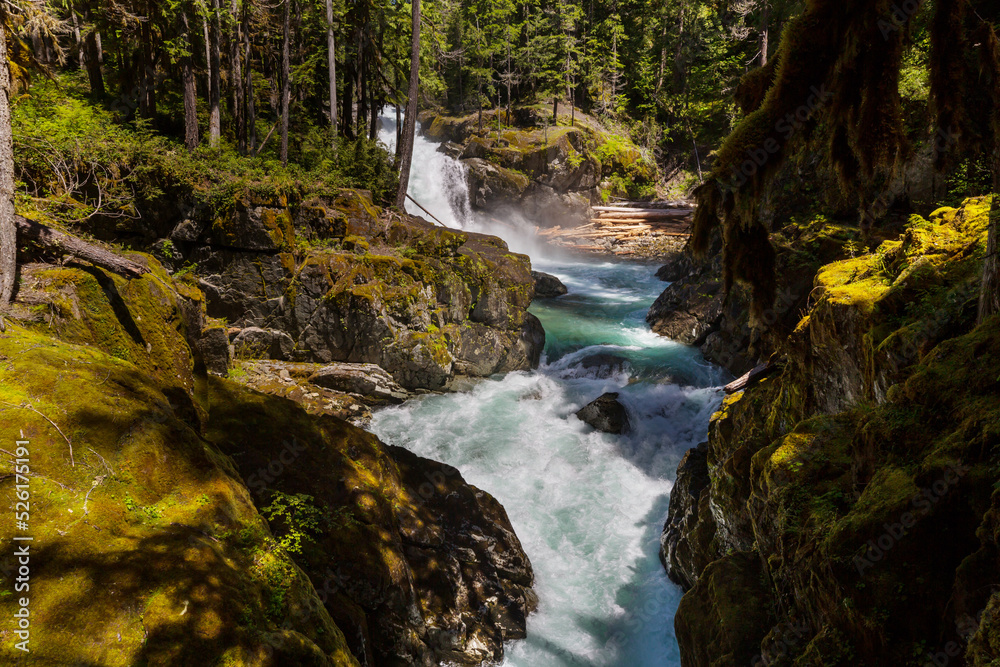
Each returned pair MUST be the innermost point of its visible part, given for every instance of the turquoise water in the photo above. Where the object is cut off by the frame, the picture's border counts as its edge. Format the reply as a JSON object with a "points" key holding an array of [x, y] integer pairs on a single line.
{"points": [[588, 507]]}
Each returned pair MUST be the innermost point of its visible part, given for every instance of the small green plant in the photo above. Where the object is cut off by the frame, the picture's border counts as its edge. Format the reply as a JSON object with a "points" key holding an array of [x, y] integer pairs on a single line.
{"points": [[295, 518], [851, 248]]}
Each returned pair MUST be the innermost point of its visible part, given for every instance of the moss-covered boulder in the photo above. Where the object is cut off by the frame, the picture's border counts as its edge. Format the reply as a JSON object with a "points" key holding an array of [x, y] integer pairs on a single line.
{"points": [[862, 475]]}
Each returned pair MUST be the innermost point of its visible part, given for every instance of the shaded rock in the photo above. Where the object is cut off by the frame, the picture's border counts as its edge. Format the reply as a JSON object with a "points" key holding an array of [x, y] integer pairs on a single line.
{"points": [[681, 548], [547, 286], [687, 312], [492, 187], [724, 618], [269, 343], [428, 565], [606, 414], [365, 379], [530, 343], [214, 347], [451, 149], [476, 148]]}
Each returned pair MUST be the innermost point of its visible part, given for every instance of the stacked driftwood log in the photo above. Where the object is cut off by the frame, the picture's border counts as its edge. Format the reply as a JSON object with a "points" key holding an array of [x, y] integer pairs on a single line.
{"points": [[614, 226]]}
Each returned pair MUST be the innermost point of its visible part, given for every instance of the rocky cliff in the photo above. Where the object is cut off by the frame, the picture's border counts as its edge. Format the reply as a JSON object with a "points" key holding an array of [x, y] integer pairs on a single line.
{"points": [[844, 509], [180, 518], [550, 173], [341, 280]]}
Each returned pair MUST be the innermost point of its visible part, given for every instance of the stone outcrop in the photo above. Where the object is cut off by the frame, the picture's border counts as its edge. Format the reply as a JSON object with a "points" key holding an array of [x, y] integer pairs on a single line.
{"points": [[551, 174], [183, 518], [857, 477], [605, 413], [547, 286], [339, 280]]}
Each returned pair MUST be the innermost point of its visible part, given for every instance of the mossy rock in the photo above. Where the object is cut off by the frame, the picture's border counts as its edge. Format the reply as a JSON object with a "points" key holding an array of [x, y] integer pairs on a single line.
{"points": [[145, 542]]}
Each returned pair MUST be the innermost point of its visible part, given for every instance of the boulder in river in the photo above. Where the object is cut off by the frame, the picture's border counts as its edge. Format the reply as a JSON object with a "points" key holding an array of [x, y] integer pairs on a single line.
{"points": [[606, 414], [547, 286]]}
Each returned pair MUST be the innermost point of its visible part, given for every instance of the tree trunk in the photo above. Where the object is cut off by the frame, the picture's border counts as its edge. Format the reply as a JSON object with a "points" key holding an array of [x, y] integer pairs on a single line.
{"points": [[989, 294], [764, 28], [331, 57], [93, 59], [406, 156], [555, 110], [208, 51], [236, 77], [8, 233], [347, 117], [190, 89], [148, 76], [215, 65], [76, 35], [251, 120], [286, 83]]}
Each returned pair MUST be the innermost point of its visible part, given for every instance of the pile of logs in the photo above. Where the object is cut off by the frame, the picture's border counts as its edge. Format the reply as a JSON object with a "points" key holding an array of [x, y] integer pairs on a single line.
{"points": [[630, 220]]}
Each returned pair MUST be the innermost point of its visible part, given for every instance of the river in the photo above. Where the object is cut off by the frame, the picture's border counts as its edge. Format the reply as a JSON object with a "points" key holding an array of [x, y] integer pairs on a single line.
{"points": [[588, 507]]}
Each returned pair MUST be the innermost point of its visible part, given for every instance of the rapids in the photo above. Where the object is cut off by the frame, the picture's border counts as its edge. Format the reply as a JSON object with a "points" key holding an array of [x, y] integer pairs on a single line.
{"points": [[588, 507]]}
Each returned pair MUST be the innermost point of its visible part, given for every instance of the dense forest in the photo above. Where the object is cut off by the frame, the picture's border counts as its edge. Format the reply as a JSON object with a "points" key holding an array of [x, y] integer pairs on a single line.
{"points": [[283, 78]]}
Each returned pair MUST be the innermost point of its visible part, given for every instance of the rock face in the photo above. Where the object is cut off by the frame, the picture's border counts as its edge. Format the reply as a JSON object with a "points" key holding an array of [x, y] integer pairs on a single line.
{"points": [[833, 490], [547, 286], [553, 175], [338, 281], [233, 523], [606, 414]]}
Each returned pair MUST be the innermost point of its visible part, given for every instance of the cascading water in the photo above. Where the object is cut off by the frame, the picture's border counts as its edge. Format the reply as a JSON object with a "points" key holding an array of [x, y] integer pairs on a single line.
{"points": [[587, 506]]}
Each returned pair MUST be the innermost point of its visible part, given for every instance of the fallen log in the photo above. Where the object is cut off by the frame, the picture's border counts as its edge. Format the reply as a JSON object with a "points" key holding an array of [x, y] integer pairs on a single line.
{"points": [[50, 238], [752, 376], [625, 210]]}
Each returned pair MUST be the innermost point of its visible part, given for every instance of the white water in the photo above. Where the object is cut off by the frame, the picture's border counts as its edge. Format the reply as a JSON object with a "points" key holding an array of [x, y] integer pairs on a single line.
{"points": [[588, 507]]}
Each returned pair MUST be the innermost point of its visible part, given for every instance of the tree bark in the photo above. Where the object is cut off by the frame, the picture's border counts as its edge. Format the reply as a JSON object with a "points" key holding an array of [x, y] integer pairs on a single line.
{"points": [[190, 89], [765, 15], [236, 77], [406, 156], [286, 84], [331, 57], [93, 59], [147, 104], [76, 35], [215, 65], [8, 233], [251, 119], [53, 239], [989, 294]]}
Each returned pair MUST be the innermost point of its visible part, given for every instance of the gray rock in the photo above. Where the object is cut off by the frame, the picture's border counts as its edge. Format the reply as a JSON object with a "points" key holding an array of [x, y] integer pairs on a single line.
{"points": [[451, 149], [268, 343], [364, 379], [214, 346], [679, 551], [606, 414], [492, 187], [547, 286]]}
